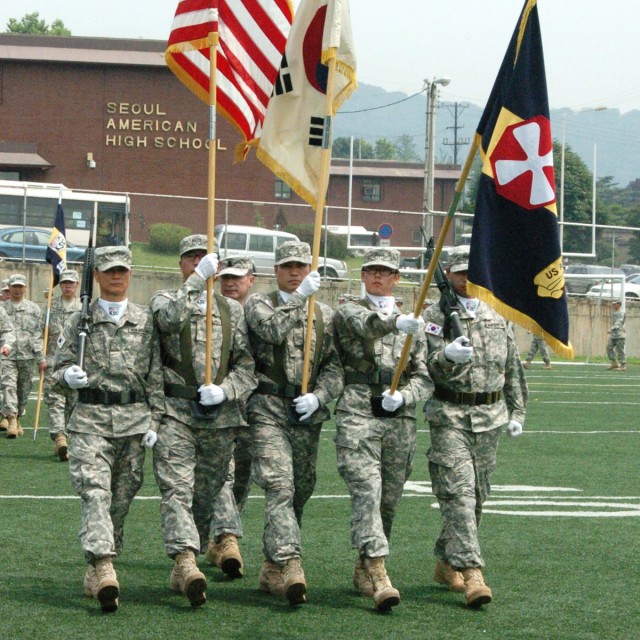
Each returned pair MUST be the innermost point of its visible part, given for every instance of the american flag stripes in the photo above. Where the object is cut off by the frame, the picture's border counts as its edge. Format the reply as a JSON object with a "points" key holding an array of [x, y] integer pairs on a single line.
{"points": [[251, 37]]}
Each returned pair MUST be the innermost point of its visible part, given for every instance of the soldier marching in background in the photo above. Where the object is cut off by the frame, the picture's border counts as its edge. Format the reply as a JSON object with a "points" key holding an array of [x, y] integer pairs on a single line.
{"points": [[58, 405], [538, 344], [118, 412], [17, 368], [375, 449], [285, 441], [198, 432], [479, 389], [617, 338]]}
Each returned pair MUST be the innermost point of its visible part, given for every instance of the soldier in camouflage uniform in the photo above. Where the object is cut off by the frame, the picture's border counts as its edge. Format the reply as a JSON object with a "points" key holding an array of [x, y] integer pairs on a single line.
{"points": [[58, 405], [5, 294], [479, 389], [119, 407], [285, 442], [375, 452], [17, 368], [617, 338], [236, 279], [538, 344], [191, 458]]}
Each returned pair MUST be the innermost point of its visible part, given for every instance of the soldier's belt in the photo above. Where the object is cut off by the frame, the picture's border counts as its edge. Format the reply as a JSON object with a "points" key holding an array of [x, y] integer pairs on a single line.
{"points": [[461, 397], [182, 391], [376, 377], [282, 390], [98, 396]]}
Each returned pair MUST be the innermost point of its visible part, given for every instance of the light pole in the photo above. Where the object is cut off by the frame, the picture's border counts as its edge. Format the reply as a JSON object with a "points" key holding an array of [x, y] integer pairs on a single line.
{"points": [[431, 90]]}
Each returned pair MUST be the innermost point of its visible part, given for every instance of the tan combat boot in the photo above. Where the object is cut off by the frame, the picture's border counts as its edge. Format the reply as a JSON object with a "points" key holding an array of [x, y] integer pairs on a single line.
{"points": [[90, 582], [226, 555], [271, 580], [362, 580], [189, 579], [61, 447], [475, 590], [20, 429], [612, 366], [12, 429], [384, 595], [445, 574], [4, 423], [526, 364], [295, 586], [107, 589]]}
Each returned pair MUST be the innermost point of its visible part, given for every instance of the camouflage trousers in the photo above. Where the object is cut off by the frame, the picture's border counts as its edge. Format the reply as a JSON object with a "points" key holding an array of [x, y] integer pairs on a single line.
{"points": [[17, 380], [57, 405], [616, 350], [374, 464], [284, 466], [106, 473], [538, 344], [233, 496], [460, 466], [190, 466]]}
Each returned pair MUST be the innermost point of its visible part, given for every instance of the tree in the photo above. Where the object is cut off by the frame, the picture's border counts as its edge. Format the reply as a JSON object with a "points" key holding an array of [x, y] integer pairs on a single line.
{"points": [[406, 150], [31, 23], [385, 149]]}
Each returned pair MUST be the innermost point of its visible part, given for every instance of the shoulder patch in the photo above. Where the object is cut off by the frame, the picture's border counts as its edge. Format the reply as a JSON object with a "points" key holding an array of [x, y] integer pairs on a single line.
{"points": [[433, 328]]}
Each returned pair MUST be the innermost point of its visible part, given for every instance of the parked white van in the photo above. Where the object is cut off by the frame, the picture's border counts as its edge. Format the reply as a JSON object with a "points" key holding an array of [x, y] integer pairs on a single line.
{"points": [[260, 245]]}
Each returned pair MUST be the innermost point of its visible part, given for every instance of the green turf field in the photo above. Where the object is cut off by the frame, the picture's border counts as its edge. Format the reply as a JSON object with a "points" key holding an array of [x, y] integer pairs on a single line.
{"points": [[560, 538]]}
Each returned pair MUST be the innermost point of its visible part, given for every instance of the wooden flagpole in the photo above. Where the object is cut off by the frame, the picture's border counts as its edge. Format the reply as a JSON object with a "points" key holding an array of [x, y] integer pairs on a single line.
{"points": [[211, 198], [325, 164], [406, 349], [45, 341]]}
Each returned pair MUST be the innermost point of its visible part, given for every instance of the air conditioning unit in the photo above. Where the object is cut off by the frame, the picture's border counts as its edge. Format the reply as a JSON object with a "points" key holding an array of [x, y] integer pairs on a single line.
{"points": [[369, 191]]}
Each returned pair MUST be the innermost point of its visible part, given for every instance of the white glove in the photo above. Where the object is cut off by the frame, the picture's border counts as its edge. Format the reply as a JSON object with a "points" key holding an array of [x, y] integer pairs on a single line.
{"points": [[392, 402], [306, 405], [211, 394], [75, 377], [149, 439], [458, 351], [310, 284], [514, 428], [407, 323], [207, 266]]}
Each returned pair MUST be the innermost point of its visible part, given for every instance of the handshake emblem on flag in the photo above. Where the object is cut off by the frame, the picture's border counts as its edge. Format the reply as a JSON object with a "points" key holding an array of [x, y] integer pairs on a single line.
{"points": [[550, 281]]}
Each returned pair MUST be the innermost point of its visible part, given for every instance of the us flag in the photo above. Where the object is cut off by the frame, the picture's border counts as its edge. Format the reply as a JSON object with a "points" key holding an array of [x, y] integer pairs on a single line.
{"points": [[250, 37]]}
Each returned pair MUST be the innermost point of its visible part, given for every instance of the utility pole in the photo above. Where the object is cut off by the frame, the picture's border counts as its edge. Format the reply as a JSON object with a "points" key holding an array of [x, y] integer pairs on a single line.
{"points": [[457, 142]]}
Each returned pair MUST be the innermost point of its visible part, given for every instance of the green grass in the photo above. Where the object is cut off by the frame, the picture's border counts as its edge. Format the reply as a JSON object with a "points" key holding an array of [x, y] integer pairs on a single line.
{"points": [[557, 568], [143, 257]]}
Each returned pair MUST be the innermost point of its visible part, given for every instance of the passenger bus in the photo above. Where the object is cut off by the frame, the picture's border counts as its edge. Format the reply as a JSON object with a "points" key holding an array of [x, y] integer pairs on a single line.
{"points": [[33, 205]]}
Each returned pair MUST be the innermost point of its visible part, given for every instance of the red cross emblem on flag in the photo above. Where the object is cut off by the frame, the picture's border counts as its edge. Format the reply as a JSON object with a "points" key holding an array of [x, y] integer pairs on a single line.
{"points": [[522, 163]]}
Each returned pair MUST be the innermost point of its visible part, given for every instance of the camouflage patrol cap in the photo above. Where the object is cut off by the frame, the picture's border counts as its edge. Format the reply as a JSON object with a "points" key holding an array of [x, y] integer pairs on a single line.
{"points": [[196, 242], [458, 259], [69, 275], [4, 286], [382, 256], [110, 257], [17, 279], [293, 251], [235, 266]]}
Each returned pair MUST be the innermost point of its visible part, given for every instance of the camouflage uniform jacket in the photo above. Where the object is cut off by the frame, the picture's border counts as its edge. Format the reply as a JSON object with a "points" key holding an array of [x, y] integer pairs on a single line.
{"points": [[617, 324], [285, 325], [7, 331], [25, 317], [359, 322], [58, 316], [495, 365], [122, 357], [172, 310]]}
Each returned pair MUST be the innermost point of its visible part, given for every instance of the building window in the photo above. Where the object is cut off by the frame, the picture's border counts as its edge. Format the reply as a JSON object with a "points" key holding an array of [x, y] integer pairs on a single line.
{"points": [[9, 175], [282, 190], [371, 190]]}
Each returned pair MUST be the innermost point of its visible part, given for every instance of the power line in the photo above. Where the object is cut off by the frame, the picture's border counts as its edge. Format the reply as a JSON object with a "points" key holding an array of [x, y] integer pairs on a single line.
{"points": [[384, 106]]}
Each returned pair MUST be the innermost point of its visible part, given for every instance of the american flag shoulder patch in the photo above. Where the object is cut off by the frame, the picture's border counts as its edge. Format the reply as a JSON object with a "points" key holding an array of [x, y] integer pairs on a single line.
{"points": [[433, 328]]}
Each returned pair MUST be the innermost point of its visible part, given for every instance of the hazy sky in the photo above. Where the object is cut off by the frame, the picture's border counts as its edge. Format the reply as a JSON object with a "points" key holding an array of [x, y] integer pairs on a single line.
{"points": [[592, 49]]}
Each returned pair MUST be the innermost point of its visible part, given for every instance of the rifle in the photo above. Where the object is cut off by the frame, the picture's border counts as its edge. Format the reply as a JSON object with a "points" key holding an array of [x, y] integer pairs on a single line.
{"points": [[449, 304], [86, 293]]}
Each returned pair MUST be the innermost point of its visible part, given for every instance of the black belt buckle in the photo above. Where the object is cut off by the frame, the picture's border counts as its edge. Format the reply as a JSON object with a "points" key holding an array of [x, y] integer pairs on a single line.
{"points": [[378, 411], [294, 417]]}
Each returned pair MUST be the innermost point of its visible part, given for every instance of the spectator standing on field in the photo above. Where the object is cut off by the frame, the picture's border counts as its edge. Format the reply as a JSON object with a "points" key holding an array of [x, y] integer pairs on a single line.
{"points": [[617, 338], [538, 344]]}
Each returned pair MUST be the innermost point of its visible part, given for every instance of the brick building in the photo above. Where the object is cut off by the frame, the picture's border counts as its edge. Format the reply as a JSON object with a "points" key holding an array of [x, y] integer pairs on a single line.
{"points": [[107, 115]]}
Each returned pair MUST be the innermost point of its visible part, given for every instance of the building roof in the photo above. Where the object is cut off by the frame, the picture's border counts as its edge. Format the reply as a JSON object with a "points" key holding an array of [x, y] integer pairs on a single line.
{"points": [[16, 154], [406, 171], [82, 50]]}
